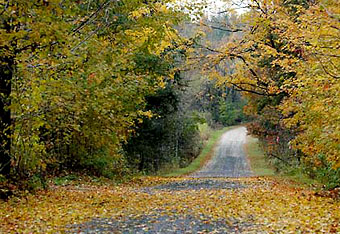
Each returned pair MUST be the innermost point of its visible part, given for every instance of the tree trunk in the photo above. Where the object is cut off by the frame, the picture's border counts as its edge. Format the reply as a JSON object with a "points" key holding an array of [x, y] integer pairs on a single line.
{"points": [[6, 73]]}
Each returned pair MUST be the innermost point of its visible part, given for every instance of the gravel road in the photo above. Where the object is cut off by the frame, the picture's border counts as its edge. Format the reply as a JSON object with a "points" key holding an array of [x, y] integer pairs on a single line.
{"points": [[229, 159]]}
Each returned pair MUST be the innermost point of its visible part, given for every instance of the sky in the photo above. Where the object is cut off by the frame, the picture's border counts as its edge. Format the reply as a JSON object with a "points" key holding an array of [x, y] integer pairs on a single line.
{"points": [[216, 6]]}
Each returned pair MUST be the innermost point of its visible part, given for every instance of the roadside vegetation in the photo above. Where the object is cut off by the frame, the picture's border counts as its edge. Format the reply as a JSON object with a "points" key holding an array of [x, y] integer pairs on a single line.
{"points": [[121, 88], [259, 164], [206, 153], [262, 165]]}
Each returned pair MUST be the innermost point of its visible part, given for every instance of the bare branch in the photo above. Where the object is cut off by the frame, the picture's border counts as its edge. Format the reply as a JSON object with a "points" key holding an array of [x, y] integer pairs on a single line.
{"points": [[5, 8], [88, 20], [222, 29], [325, 70]]}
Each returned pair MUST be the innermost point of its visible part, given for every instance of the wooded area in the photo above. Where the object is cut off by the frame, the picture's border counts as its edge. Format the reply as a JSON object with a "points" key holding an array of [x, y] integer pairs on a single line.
{"points": [[111, 88], [287, 64]]}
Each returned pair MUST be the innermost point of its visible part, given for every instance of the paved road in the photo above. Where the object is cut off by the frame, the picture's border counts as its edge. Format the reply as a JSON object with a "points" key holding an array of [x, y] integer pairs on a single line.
{"points": [[229, 159]]}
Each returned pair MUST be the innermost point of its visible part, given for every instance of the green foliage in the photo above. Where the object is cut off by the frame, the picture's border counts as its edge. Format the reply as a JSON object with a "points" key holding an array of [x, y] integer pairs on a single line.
{"points": [[36, 182], [170, 138], [231, 111], [224, 105], [206, 153], [101, 163], [81, 73], [64, 180], [328, 176], [325, 173]]}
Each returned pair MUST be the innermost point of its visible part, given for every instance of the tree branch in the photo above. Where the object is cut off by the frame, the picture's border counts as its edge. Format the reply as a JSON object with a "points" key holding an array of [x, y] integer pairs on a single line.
{"points": [[88, 20], [221, 29], [325, 70], [5, 8]]}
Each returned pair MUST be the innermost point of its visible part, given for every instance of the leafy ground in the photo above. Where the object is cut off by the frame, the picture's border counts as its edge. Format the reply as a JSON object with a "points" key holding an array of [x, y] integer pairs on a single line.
{"points": [[153, 204], [175, 205]]}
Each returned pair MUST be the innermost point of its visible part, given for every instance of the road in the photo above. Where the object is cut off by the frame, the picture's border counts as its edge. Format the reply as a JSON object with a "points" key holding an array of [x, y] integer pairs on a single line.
{"points": [[229, 159], [204, 204]]}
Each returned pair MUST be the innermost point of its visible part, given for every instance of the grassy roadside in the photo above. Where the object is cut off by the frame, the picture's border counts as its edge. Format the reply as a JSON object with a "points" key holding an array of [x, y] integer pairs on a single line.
{"points": [[256, 157], [204, 156], [261, 167]]}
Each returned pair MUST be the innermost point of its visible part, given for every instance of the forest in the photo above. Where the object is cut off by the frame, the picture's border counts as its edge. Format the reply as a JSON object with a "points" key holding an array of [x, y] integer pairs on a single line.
{"points": [[116, 88]]}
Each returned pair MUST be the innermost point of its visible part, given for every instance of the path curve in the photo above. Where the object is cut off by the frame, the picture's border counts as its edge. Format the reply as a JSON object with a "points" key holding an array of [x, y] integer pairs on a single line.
{"points": [[229, 159]]}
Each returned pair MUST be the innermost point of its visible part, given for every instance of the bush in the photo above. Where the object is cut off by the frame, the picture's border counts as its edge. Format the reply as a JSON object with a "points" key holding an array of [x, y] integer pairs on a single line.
{"points": [[325, 172]]}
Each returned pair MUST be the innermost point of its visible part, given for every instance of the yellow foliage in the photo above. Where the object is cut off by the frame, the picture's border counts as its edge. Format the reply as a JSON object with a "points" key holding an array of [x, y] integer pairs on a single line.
{"points": [[291, 50], [262, 205]]}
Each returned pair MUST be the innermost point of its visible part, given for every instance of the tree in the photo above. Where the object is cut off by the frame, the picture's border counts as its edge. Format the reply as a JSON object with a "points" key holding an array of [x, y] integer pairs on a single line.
{"points": [[79, 79], [287, 64], [21, 33]]}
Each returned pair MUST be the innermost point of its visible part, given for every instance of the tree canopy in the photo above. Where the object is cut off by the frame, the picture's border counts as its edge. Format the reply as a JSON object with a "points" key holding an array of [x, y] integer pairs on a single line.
{"points": [[80, 79], [287, 64]]}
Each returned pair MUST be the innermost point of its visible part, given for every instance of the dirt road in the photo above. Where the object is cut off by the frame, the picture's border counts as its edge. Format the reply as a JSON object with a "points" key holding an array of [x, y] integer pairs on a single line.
{"points": [[179, 205], [229, 159], [202, 203]]}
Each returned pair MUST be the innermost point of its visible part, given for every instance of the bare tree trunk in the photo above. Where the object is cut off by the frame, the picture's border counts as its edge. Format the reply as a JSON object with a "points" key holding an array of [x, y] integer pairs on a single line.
{"points": [[6, 73]]}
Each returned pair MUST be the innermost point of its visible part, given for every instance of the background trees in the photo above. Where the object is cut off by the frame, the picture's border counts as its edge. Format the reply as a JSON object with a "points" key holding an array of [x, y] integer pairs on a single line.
{"points": [[170, 139], [286, 63]]}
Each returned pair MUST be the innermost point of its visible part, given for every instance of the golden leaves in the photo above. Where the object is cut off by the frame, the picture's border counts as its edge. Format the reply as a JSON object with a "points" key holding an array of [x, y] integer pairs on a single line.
{"points": [[291, 50], [143, 11], [267, 204]]}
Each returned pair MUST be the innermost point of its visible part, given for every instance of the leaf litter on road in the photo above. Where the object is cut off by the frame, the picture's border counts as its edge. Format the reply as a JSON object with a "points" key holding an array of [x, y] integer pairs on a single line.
{"points": [[155, 204]]}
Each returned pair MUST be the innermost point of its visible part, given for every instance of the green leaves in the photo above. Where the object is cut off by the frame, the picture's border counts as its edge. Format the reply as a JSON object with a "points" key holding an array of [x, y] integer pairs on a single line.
{"points": [[82, 72]]}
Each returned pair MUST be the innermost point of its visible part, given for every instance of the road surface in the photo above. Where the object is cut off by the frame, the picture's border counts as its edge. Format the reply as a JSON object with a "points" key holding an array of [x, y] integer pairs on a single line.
{"points": [[229, 159]]}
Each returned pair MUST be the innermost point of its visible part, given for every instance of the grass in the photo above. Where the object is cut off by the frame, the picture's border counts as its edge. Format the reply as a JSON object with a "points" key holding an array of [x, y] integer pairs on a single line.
{"points": [[205, 155], [256, 157], [260, 166], [298, 175], [64, 180]]}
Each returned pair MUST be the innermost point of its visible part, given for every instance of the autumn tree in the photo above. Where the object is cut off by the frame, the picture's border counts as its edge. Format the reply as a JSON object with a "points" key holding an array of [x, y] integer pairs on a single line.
{"points": [[23, 30], [287, 63], [79, 72]]}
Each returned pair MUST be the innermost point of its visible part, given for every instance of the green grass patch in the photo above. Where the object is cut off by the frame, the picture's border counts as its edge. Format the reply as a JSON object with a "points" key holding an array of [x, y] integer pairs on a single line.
{"points": [[298, 175], [256, 157], [205, 155], [65, 180], [261, 167]]}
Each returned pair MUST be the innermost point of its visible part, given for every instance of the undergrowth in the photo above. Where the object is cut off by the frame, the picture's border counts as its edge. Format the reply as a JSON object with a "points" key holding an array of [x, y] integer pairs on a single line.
{"points": [[206, 153]]}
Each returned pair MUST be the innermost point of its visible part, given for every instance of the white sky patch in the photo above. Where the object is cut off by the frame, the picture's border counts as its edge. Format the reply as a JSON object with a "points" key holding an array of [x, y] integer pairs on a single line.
{"points": [[215, 7]]}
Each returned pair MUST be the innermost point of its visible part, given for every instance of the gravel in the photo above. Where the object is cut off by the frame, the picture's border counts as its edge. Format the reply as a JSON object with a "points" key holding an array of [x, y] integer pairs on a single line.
{"points": [[230, 159], [198, 185], [176, 223]]}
